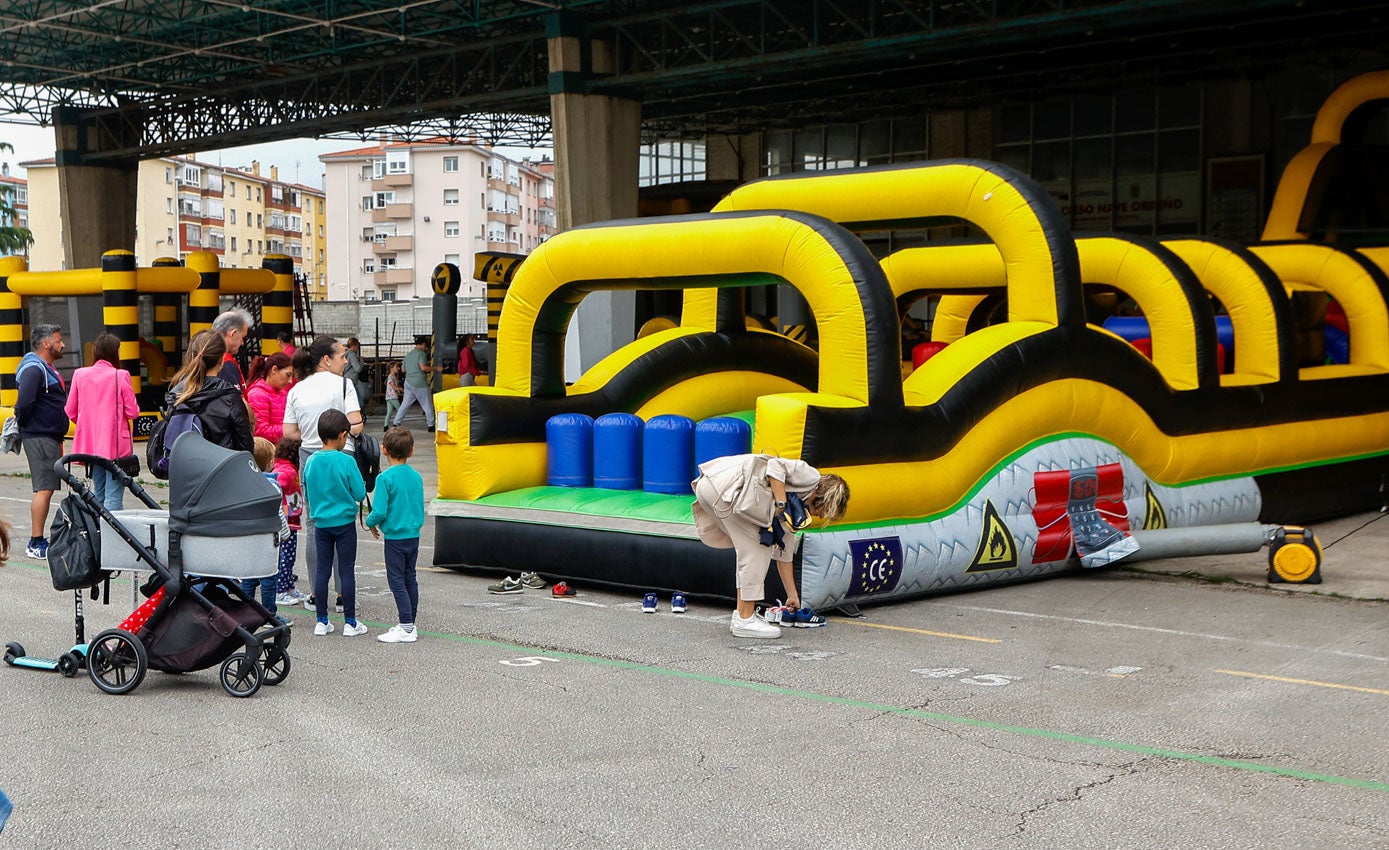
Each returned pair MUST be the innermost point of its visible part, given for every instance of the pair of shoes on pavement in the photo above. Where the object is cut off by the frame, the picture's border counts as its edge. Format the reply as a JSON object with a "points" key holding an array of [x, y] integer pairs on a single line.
{"points": [[511, 585], [650, 602], [562, 590], [397, 634], [292, 598], [752, 627], [37, 548], [348, 629], [802, 618]]}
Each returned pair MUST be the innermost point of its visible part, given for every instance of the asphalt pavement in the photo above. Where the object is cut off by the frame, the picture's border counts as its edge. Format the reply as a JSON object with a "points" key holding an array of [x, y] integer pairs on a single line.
{"points": [[1180, 703]]}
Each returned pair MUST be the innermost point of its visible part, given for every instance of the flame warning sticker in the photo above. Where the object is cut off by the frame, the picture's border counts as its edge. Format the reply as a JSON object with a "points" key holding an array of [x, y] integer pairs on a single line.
{"points": [[997, 549]]}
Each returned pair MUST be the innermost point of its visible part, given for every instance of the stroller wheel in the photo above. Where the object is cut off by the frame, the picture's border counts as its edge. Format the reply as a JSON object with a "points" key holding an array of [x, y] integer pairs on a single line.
{"points": [[241, 676], [276, 662], [67, 665], [13, 651], [116, 661]]}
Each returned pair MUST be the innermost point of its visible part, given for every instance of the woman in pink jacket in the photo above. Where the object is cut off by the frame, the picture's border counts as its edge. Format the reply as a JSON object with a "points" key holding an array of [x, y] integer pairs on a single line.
{"points": [[266, 391], [102, 404]]}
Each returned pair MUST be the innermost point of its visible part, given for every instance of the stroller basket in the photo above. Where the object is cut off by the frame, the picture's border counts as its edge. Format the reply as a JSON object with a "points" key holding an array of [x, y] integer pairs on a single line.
{"points": [[191, 637]]}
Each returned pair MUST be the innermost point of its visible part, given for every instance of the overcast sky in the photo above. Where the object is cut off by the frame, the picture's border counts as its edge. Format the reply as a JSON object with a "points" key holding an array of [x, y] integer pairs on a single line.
{"points": [[296, 158]]}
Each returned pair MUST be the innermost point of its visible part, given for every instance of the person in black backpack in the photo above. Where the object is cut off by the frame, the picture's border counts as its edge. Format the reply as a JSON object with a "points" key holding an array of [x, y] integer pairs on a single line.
{"points": [[219, 406], [41, 413]]}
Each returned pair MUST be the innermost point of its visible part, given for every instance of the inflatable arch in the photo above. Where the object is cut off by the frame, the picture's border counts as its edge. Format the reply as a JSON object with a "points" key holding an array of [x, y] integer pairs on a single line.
{"points": [[1018, 450]]}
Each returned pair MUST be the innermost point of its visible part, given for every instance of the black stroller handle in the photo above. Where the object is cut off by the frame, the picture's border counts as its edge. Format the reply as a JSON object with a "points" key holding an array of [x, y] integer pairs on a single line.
{"points": [[62, 467]]}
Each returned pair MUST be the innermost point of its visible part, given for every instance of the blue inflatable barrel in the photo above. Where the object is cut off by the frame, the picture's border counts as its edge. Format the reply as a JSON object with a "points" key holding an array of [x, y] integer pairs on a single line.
{"points": [[720, 437], [668, 454], [569, 450], [617, 451]]}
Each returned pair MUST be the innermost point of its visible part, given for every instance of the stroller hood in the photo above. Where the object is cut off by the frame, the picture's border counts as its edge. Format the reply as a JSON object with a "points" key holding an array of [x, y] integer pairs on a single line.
{"points": [[216, 492]]}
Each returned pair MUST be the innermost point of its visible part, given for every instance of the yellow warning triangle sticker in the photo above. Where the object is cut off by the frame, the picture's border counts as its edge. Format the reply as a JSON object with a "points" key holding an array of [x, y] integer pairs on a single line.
{"points": [[997, 549], [1153, 514]]}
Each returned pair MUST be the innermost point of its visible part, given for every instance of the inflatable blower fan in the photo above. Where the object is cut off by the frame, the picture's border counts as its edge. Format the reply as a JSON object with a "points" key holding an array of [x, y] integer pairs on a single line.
{"points": [[1294, 556]]}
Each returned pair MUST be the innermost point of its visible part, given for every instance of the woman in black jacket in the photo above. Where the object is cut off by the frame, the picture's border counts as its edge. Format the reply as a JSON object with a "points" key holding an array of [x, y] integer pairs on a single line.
{"points": [[220, 408]]}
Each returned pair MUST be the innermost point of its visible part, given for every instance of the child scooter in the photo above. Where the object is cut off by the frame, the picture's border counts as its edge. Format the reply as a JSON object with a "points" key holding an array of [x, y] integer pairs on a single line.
{"points": [[70, 663]]}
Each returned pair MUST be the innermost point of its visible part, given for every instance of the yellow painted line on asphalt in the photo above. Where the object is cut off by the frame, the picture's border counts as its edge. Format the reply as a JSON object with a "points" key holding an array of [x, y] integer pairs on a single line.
{"points": [[1381, 691], [850, 622]]}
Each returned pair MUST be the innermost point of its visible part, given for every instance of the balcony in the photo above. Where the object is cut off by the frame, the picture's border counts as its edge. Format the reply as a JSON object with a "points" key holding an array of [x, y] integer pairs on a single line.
{"points": [[498, 183], [511, 219], [392, 181], [392, 245], [394, 277], [391, 212]]}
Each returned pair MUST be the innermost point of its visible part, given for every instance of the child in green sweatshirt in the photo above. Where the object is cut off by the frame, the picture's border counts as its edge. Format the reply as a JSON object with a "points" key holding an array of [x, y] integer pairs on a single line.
{"points": [[333, 487], [398, 513]]}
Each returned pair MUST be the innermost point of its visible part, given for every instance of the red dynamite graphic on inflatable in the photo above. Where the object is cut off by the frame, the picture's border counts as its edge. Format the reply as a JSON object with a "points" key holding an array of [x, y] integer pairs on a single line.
{"points": [[1090, 500]]}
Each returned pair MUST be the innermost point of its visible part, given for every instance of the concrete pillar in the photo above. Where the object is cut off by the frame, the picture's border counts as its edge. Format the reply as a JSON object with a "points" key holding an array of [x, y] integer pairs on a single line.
{"points": [[96, 199], [597, 141]]}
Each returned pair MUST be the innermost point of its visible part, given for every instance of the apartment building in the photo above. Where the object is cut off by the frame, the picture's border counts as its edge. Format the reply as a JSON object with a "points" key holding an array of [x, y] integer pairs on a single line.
{"points": [[400, 209], [184, 205], [15, 192]]}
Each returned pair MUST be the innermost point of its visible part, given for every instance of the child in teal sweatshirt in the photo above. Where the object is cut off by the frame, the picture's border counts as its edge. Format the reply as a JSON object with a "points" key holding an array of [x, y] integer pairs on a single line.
{"points": [[333, 487], [398, 513]]}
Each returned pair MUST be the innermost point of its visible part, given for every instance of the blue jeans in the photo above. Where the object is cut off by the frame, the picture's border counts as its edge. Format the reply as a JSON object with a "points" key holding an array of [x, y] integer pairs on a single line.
{"points": [[342, 541], [267, 590], [400, 576], [107, 488]]}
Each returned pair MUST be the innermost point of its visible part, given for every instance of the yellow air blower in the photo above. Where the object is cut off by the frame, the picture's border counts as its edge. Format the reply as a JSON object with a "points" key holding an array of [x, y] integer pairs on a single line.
{"points": [[1294, 556]]}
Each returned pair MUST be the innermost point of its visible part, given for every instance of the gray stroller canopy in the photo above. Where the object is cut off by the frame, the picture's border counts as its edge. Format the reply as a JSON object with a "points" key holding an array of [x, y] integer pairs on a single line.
{"points": [[216, 492]]}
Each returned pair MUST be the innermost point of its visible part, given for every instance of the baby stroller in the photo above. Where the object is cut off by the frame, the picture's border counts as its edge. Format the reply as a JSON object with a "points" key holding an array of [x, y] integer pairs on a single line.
{"points": [[220, 528]]}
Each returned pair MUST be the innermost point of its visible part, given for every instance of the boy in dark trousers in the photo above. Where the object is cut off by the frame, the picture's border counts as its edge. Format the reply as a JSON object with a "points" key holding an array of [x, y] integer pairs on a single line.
{"points": [[333, 486], [398, 513]]}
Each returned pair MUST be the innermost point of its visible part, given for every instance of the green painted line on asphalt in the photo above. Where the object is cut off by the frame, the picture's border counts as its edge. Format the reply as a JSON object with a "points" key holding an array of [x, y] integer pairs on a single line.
{"points": [[916, 713]]}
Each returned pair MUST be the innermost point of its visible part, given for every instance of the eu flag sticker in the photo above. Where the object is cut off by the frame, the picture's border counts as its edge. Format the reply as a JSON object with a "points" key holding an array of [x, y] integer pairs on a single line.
{"points": [[877, 565]]}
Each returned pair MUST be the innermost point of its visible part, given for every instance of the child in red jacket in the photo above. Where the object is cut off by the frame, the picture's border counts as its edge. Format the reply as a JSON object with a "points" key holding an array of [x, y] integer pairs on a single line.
{"points": [[286, 471]]}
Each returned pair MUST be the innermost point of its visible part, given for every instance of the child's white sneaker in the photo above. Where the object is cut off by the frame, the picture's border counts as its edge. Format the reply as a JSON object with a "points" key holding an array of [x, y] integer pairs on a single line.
{"points": [[323, 628], [395, 634], [350, 630]]}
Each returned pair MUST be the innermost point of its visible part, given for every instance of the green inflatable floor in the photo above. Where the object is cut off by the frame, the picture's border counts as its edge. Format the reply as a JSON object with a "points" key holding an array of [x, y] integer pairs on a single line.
{"points": [[594, 501]]}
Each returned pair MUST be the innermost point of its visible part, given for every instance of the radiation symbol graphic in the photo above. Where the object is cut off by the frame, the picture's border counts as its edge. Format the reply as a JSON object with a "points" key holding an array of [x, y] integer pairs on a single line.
{"points": [[997, 550]]}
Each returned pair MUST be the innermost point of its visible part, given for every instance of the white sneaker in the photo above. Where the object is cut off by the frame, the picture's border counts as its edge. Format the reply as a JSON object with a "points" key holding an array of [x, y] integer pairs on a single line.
{"points": [[323, 628], [349, 630], [753, 627], [286, 600], [395, 634]]}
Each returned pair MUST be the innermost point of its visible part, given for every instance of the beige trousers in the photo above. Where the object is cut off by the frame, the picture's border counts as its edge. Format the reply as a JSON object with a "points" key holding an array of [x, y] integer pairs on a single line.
{"points": [[754, 559]]}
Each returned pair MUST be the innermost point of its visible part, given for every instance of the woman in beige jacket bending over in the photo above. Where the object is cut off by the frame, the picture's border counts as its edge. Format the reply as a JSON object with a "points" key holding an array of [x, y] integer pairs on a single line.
{"points": [[739, 496]]}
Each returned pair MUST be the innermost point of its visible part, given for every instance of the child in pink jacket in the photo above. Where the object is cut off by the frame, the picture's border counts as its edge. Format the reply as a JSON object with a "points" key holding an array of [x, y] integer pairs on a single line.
{"points": [[287, 476], [102, 404]]}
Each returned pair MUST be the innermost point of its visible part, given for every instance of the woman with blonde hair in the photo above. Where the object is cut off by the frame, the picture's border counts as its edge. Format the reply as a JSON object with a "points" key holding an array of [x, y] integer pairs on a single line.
{"points": [[219, 406], [740, 498]]}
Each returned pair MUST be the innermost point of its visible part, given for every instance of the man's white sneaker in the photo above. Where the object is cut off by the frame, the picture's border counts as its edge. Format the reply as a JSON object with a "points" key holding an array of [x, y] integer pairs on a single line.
{"points": [[395, 634], [323, 628], [349, 630], [753, 627]]}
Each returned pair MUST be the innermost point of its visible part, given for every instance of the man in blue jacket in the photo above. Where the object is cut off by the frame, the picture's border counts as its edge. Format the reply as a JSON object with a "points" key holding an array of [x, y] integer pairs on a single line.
{"points": [[43, 424]]}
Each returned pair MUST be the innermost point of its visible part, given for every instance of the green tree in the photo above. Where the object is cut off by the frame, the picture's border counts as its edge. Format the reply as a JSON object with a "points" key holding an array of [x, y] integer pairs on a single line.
{"points": [[13, 240]]}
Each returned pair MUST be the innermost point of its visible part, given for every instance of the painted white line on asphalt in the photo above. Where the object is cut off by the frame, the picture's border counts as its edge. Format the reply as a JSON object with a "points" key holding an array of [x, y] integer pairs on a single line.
{"points": [[1177, 632]]}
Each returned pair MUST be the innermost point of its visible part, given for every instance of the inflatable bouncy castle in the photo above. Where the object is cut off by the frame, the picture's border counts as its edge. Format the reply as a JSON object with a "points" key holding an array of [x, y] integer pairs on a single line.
{"points": [[1030, 442]]}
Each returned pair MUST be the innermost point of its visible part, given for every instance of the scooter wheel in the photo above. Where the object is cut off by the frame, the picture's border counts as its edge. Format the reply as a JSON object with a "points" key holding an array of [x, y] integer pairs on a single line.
{"points": [[68, 666], [13, 651], [117, 662]]}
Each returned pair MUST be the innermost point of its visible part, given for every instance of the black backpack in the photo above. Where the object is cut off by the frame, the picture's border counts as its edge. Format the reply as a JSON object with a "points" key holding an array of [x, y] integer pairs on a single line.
{"points": [[368, 454], [166, 431], [74, 547]]}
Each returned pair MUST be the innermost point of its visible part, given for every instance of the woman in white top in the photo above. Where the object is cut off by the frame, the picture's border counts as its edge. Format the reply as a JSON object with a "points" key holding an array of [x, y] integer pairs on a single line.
{"points": [[321, 387]]}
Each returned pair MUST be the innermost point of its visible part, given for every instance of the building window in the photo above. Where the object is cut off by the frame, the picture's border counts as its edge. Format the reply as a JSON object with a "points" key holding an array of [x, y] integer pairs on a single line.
{"points": [[450, 228], [233, 243], [320, 231], [231, 188], [388, 295], [259, 220], [450, 164], [257, 193], [260, 247], [450, 197], [368, 203], [170, 237], [369, 265], [233, 216], [383, 198], [168, 205], [168, 175], [320, 209], [248, 193]]}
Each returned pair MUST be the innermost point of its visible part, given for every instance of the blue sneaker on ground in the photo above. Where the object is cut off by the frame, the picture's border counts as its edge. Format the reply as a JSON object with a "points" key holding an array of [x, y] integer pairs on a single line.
{"points": [[37, 548], [677, 603], [805, 618], [648, 604]]}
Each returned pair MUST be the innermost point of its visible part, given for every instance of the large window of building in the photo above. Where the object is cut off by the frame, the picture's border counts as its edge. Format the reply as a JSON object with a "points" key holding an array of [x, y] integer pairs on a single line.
{"points": [[671, 162]]}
